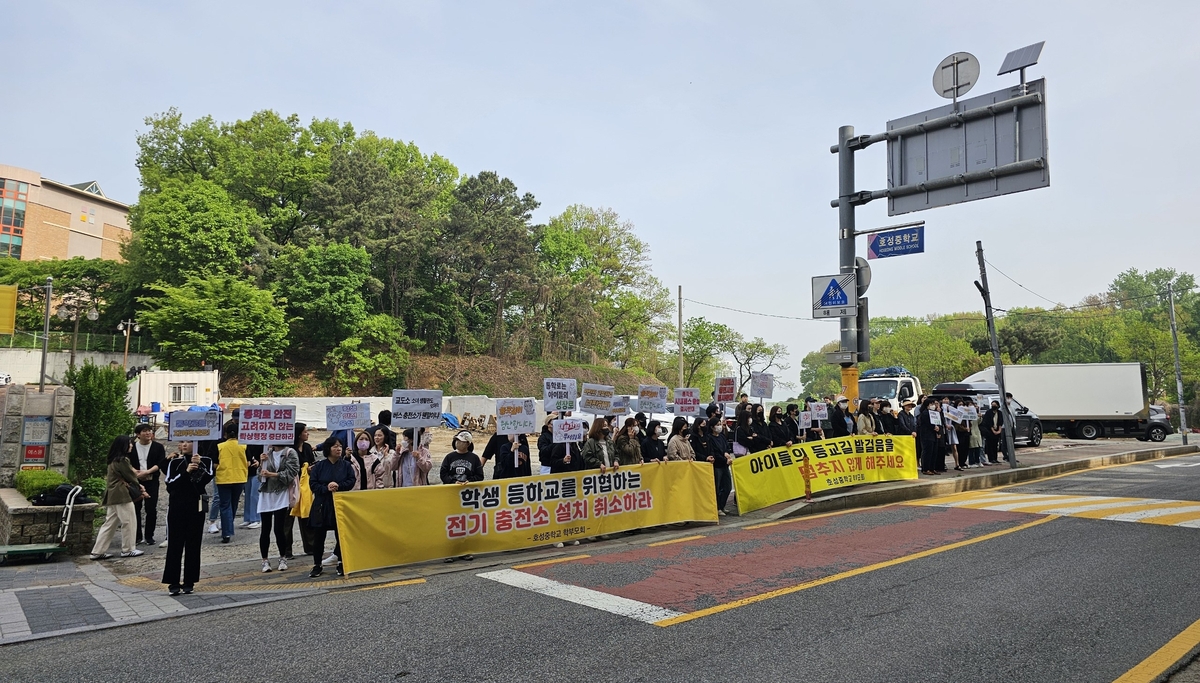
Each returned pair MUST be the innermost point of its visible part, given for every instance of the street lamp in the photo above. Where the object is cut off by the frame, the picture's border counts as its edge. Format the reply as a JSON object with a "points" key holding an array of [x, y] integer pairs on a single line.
{"points": [[69, 312], [127, 326]]}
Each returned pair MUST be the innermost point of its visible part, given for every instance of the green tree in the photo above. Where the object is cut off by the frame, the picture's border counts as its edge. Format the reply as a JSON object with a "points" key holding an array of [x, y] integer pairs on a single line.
{"points": [[222, 320], [324, 289], [371, 362], [819, 378], [929, 352], [188, 228], [703, 344], [101, 415], [756, 355]]}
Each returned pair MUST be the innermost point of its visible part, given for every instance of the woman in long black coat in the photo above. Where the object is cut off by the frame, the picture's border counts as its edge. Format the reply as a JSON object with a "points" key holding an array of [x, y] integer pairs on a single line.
{"points": [[929, 435]]}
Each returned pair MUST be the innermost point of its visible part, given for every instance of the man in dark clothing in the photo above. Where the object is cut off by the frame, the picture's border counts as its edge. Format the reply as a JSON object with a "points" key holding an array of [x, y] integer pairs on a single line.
{"points": [[148, 459], [187, 476]]}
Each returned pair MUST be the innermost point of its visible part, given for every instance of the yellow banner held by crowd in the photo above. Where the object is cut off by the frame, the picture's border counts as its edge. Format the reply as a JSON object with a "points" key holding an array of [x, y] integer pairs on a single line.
{"points": [[390, 527], [777, 475]]}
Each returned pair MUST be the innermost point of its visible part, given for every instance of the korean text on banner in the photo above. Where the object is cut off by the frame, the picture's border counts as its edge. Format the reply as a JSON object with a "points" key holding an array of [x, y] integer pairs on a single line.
{"points": [[267, 424], [777, 475], [687, 402], [819, 410], [525, 512], [726, 389], [558, 395], [652, 399], [597, 399], [568, 430], [762, 384], [347, 416], [194, 425], [516, 416], [416, 408]]}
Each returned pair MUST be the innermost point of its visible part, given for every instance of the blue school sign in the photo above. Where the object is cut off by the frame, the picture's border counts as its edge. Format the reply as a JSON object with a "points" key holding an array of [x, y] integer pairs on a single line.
{"points": [[896, 243]]}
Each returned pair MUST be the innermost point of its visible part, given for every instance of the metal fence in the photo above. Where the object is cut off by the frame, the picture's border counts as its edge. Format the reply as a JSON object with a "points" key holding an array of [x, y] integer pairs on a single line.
{"points": [[61, 341]]}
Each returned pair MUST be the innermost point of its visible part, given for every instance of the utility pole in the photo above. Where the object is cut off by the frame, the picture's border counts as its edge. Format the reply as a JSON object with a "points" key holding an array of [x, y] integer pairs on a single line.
{"points": [[1010, 425], [680, 331], [1178, 371], [46, 333]]}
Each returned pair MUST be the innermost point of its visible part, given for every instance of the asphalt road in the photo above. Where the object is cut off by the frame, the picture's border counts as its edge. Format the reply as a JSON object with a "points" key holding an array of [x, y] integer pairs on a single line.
{"points": [[922, 593]]}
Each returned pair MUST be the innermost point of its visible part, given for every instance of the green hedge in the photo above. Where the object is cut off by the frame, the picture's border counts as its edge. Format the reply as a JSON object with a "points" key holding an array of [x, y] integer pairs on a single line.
{"points": [[32, 482]]}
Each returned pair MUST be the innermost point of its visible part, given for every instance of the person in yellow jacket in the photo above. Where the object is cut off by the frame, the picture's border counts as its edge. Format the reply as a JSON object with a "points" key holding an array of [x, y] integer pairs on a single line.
{"points": [[233, 471]]}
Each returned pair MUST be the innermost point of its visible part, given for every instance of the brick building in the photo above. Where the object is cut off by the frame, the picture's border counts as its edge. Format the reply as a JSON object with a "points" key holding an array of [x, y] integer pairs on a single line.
{"points": [[45, 219]]}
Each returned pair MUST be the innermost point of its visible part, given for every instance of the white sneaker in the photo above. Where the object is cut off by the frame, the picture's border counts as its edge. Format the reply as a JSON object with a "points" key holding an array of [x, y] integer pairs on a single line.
{"points": [[266, 566], [134, 553], [244, 525], [282, 564], [253, 525], [574, 542], [558, 545], [163, 544], [329, 561], [213, 527]]}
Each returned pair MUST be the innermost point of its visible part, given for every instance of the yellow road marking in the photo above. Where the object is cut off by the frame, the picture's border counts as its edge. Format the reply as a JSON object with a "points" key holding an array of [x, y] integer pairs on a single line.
{"points": [[1174, 519], [674, 540], [393, 584], [1132, 507], [554, 561], [845, 575], [808, 517], [1153, 666]]}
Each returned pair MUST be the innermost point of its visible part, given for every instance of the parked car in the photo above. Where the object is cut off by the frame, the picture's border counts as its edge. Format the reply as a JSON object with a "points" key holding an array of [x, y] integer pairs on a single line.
{"points": [[1159, 425], [1029, 425], [5, 378]]}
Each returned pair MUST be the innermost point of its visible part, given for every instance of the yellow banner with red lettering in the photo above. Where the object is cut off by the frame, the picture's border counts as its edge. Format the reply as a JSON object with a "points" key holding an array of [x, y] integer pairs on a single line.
{"points": [[390, 527], [777, 475]]}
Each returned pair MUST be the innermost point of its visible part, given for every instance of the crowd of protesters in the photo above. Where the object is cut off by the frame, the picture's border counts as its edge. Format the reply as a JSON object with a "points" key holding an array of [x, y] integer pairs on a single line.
{"points": [[289, 486]]}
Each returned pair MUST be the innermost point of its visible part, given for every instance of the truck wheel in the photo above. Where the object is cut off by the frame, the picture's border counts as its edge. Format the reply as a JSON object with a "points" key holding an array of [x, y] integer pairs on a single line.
{"points": [[1035, 435], [1089, 431], [1156, 433]]}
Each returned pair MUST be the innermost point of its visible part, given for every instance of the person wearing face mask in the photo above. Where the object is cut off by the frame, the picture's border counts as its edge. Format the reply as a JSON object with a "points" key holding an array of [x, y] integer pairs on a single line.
{"points": [[840, 420], [372, 470], [325, 478], [566, 457], [866, 420], [278, 466], [653, 448], [412, 466], [791, 420], [992, 426], [627, 443], [599, 451], [777, 430], [678, 446], [929, 435], [906, 421], [747, 439], [721, 457]]}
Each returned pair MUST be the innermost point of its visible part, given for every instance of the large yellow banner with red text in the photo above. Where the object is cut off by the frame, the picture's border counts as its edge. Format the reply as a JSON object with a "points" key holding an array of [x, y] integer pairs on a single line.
{"points": [[389, 527], [777, 475]]}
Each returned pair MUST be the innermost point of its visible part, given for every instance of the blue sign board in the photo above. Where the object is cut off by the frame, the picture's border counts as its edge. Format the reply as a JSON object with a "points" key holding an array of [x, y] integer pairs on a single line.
{"points": [[896, 242]]}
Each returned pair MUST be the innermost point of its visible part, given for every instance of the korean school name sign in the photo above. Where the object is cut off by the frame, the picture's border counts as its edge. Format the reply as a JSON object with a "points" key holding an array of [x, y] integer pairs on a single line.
{"points": [[779, 474], [390, 527]]}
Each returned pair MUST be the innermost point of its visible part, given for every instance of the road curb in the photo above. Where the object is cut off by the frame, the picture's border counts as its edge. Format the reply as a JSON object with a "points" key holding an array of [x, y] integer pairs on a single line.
{"points": [[1008, 477]]}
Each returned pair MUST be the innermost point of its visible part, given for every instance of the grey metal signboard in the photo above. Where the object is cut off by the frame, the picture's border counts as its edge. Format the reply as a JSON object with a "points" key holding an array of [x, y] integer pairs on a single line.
{"points": [[990, 151]]}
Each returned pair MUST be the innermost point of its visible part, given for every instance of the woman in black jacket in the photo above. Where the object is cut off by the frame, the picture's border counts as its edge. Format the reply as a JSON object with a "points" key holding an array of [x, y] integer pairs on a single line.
{"points": [[780, 434], [512, 456], [653, 448], [334, 473], [186, 477], [930, 436], [719, 456], [748, 436], [701, 445]]}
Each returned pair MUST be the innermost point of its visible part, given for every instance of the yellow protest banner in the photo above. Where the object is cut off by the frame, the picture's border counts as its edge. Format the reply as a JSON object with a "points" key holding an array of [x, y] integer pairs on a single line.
{"points": [[8, 309], [777, 475], [390, 527]]}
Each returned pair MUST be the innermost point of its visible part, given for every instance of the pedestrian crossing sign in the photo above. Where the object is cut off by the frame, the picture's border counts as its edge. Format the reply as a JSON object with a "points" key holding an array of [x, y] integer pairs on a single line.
{"points": [[831, 299]]}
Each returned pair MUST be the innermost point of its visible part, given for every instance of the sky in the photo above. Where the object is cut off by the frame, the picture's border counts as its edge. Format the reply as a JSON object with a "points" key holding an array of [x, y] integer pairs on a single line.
{"points": [[705, 124]]}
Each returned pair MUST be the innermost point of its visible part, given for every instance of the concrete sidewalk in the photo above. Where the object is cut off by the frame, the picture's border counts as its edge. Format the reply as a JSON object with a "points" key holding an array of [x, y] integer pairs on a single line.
{"points": [[58, 598]]}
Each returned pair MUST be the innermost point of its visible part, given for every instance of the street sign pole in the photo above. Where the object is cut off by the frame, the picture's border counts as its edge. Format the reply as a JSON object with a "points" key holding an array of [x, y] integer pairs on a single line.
{"points": [[1178, 372], [847, 257], [1010, 425]]}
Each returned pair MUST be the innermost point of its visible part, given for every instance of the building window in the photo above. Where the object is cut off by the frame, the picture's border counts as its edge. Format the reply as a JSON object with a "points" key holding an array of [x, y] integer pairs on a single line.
{"points": [[10, 246], [183, 394], [13, 196]]}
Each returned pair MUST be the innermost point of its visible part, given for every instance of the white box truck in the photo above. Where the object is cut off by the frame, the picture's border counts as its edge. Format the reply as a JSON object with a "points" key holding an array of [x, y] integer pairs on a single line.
{"points": [[1080, 400]]}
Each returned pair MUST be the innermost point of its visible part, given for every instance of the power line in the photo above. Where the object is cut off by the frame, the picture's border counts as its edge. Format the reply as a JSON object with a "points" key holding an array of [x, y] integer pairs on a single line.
{"points": [[1056, 303], [738, 310]]}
